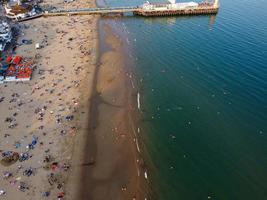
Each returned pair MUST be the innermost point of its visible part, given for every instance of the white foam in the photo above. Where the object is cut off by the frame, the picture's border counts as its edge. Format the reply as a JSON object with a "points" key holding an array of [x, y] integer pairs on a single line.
{"points": [[138, 100], [137, 146]]}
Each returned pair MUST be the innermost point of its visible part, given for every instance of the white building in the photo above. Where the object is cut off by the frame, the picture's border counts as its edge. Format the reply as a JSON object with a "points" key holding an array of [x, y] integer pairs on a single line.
{"points": [[171, 5]]}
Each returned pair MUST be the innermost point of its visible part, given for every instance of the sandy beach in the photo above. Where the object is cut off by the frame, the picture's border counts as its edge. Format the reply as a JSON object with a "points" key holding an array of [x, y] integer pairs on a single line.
{"points": [[75, 111]]}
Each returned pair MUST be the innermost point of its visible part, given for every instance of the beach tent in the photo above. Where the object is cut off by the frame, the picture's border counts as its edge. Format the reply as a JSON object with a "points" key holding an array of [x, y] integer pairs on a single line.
{"points": [[17, 60]]}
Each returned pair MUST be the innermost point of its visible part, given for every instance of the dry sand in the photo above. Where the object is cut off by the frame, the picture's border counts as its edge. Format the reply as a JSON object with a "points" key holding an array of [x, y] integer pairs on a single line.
{"points": [[78, 110], [53, 106]]}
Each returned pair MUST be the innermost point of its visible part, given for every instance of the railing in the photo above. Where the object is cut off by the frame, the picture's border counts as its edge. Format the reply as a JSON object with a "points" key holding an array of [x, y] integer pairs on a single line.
{"points": [[106, 9], [205, 8]]}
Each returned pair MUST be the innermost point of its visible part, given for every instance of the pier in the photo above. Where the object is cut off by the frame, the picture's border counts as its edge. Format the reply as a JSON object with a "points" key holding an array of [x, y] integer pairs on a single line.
{"points": [[146, 10]]}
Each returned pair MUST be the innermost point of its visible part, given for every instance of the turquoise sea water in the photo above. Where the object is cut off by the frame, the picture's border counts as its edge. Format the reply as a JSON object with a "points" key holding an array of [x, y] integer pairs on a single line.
{"points": [[203, 87]]}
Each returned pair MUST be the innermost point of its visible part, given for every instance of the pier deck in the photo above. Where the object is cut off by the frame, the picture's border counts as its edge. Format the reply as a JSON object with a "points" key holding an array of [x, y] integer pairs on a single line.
{"points": [[91, 11], [135, 10]]}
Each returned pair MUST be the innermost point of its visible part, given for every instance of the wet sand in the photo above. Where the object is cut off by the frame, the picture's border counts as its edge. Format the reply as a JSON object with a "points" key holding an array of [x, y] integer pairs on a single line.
{"points": [[112, 169]]}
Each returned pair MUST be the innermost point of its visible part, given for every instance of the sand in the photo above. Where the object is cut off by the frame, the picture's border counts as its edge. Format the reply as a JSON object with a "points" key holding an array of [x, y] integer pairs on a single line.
{"points": [[77, 105], [115, 173], [53, 106]]}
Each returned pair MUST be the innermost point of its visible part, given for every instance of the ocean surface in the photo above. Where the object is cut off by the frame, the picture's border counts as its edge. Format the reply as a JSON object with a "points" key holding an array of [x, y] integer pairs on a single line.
{"points": [[202, 82]]}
